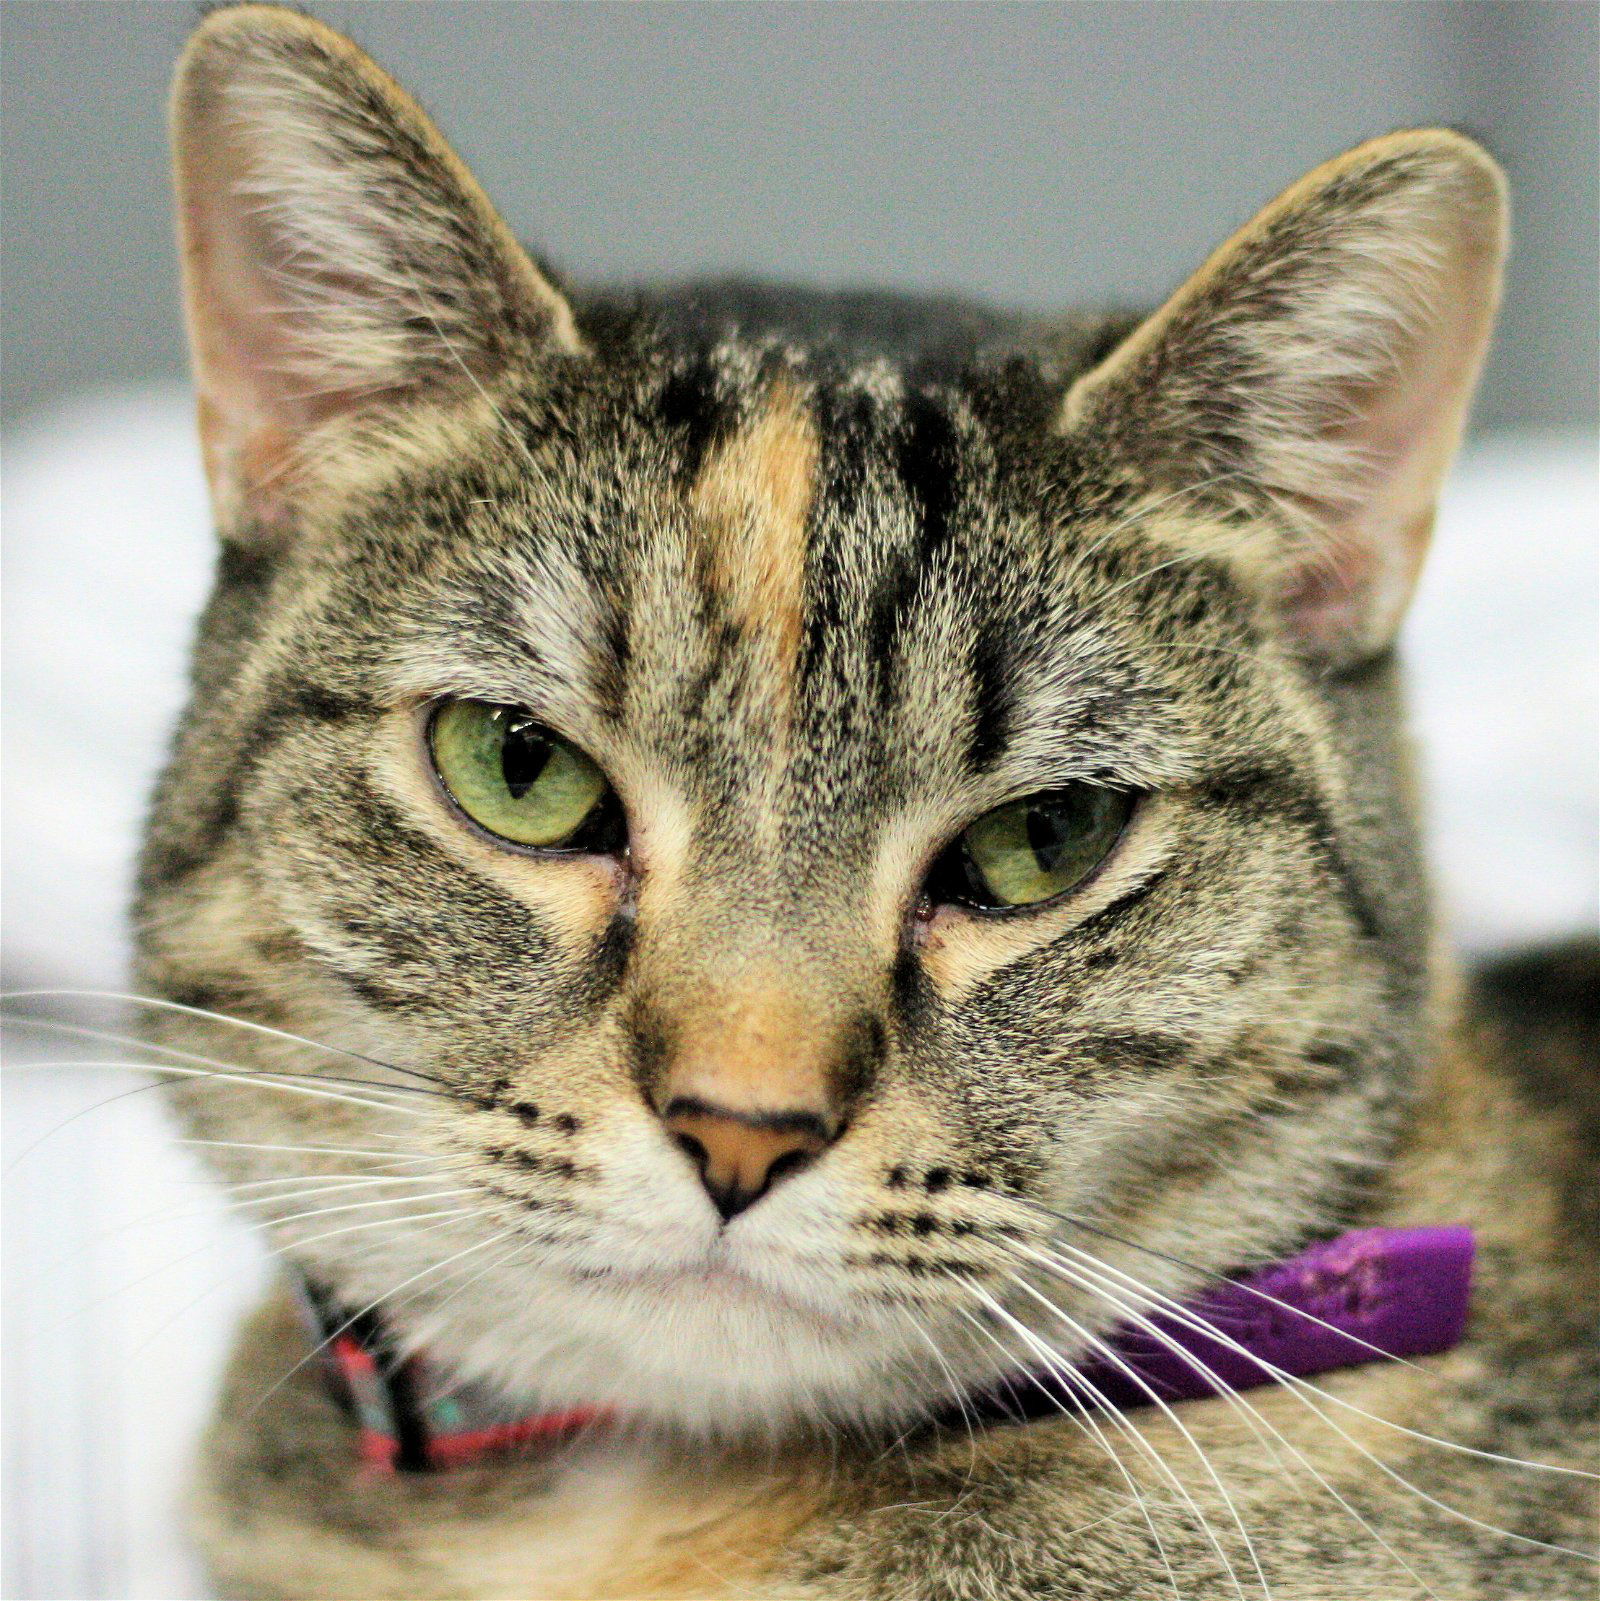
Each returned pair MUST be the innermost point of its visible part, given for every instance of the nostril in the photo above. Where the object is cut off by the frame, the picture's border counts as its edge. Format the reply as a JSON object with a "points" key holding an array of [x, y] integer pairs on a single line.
{"points": [[789, 1163], [694, 1150]]}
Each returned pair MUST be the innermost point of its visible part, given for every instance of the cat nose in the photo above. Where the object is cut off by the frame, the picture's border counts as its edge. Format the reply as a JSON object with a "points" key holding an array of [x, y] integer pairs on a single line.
{"points": [[741, 1155]]}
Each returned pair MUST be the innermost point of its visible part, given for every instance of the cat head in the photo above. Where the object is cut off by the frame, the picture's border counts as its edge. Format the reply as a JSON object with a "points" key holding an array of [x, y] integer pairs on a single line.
{"points": [[802, 832]]}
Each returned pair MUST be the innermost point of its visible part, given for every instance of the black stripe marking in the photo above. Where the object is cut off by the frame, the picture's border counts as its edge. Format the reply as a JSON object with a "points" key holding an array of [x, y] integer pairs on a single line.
{"points": [[232, 998], [168, 862], [1135, 1051], [856, 1071], [379, 996], [1262, 791], [848, 432], [609, 961], [244, 567], [284, 708], [398, 945], [1110, 915], [288, 704], [925, 457], [647, 1035], [992, 665], [386, 830], [914, 997], [611, 657], [691, 405]]}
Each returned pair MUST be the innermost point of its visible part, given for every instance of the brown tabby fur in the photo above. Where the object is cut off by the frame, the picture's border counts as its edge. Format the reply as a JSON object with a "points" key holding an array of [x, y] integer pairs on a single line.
{"points": [[818, 581]]}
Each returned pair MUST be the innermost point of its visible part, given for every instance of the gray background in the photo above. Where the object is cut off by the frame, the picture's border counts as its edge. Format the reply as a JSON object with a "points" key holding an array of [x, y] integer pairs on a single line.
{"points": [[1034, 154]]}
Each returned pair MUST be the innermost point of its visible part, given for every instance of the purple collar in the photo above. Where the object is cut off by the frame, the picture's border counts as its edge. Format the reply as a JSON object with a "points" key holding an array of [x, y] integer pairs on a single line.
{"points": [[1366, 1296], [1370, 1295]]}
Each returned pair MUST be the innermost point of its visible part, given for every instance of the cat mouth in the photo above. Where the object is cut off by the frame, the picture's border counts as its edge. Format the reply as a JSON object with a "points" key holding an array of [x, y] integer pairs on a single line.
{"points": [[722, 1283]]}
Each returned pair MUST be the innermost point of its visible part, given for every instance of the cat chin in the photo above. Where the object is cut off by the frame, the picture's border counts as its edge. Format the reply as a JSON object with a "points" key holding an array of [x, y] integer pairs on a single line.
{"points": [[710, 1354]]}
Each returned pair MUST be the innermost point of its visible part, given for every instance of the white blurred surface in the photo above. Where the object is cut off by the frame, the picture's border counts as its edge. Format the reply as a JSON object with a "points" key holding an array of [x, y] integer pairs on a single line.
{"points": [[115, 1325], [124, 1278], [1503, 654]]}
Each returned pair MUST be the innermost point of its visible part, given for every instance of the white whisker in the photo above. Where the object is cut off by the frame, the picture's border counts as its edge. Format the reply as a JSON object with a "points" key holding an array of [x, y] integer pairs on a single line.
{"points": [[132, 1042], [957, 1389], [1178, 1307], [315, 1150], [1239, 1402], [176, 1213], [1298, 1387], [1109, 1353], [328, 1181], [388, 1169], [159, 1004], [145, 1089], [1086, 1423], [262, 1080], [371, 1306], [447, 1217], [1059, 1368], [274, 1223], [1259, 1428], [1233, 1283]]}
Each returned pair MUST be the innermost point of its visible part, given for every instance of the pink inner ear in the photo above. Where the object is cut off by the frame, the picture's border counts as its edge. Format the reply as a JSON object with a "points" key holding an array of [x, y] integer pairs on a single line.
{"points": [[1326, 601], [259, 391], [1348, 601], [1348, 598], [246, 419]]}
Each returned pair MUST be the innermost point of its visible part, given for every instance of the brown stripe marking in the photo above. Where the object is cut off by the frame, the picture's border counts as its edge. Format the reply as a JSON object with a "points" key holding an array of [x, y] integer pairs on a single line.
{"points": [[752, 502]]}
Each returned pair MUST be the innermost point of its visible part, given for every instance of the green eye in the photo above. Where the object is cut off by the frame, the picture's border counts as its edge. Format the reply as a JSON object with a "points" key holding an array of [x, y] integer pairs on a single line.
{"points": [[515, 778], [1032, 849]]}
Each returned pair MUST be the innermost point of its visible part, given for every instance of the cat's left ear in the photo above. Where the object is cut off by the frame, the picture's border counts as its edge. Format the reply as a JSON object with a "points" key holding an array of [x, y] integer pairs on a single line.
{"points": [[338, 258], [1315, 375]]}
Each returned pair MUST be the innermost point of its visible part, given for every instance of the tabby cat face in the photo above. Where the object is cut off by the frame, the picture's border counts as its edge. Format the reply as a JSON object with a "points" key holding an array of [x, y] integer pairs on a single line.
{"points": [[809, 823]]}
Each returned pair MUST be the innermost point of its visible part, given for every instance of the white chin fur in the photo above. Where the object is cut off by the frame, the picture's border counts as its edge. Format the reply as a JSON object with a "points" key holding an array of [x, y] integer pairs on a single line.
{"points": [[704, 1356], [713, 1356], [710, 1353]]}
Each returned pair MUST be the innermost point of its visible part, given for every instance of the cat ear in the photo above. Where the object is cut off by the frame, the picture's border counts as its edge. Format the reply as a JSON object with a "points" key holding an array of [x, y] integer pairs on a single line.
{"points": [[337, 256], [1318, 369]]}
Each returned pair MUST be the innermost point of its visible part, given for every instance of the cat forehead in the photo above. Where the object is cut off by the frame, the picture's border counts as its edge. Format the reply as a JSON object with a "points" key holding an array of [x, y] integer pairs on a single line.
{"points": [[763, 467]]}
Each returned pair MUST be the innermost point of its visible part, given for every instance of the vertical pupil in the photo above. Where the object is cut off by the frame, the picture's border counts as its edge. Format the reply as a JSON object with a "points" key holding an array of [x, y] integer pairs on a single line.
{"points": [[1061, 824], [523, 756], [1047, 835]]}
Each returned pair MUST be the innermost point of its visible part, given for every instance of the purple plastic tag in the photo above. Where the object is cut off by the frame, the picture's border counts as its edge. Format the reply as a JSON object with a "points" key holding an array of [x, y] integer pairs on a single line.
{"points": [[1369, 1294]]}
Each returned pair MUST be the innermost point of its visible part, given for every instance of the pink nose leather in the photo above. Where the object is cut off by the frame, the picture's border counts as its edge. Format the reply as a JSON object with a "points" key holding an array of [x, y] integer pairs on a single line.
{"points": [[741, 1155]]}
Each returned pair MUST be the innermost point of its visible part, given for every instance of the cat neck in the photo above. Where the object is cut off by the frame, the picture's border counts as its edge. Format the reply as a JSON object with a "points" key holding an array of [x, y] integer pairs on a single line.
{"points": [[1498, 1137]]}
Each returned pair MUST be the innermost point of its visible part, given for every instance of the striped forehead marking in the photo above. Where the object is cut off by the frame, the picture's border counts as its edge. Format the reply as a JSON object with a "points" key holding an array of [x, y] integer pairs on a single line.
{"points": [[752, 505]]}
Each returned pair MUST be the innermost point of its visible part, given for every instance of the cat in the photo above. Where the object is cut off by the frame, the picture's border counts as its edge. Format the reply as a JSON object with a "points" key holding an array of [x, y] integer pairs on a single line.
{"points": [[744, 867]]}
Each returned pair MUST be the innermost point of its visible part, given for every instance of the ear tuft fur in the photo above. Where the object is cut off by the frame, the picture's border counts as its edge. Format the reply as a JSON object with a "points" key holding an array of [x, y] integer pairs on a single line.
{"points": [[1319, 368], [336, 253]]}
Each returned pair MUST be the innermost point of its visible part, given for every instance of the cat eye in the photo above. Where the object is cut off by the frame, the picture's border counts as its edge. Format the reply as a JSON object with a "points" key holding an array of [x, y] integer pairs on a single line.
{"points": [[1032, 850], [519, 781]]}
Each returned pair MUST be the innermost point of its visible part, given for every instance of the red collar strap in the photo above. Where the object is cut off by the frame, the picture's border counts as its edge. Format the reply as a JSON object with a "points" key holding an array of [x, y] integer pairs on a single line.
{"points": [[1368, 1296], [410, 1420]]}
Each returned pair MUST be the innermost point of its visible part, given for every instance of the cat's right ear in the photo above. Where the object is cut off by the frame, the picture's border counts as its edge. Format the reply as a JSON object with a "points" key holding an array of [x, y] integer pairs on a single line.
{"points": [[337, 256]]}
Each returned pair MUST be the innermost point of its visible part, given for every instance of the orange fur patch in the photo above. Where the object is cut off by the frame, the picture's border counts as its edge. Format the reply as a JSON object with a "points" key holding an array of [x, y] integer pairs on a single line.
{"points": [[764, 1048], [753, 500]]}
